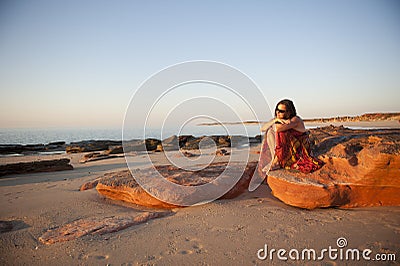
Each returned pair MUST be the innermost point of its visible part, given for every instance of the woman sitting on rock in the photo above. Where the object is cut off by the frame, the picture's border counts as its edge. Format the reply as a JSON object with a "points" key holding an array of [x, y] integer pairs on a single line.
{"points": [[292, 150]]}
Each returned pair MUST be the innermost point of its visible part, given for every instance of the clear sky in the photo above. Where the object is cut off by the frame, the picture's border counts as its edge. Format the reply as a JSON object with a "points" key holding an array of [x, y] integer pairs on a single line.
{"points": [[77, 63]]}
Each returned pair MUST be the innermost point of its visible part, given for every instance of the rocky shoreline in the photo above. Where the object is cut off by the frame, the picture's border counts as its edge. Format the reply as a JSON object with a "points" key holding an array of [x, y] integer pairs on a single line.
{"points": [[186, 142], [174, 142]]}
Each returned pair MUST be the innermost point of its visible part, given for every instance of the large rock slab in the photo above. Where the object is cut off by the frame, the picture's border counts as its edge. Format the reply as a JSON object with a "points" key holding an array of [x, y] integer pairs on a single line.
{"points": [[36, 166], [362, 168], [122, 186], [96, 226]]}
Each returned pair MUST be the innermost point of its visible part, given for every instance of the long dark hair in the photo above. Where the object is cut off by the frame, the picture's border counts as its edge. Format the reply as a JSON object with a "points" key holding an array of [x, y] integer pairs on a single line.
{"points": [[290, 109]]}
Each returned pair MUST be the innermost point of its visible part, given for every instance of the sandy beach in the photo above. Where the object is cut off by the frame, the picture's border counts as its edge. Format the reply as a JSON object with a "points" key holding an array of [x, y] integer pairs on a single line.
{"points": [[219, 233]]}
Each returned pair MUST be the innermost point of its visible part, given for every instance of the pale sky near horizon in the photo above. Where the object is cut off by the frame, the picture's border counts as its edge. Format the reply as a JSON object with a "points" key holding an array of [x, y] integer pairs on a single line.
{"points": [[77, 63]]}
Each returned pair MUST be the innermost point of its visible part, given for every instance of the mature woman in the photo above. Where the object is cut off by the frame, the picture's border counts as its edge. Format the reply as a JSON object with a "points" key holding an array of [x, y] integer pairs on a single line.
{"points": [[292, 150]]}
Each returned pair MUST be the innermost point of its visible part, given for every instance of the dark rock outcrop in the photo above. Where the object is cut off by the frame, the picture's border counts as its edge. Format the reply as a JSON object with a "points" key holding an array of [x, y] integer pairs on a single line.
{"points": [[91, 145], [115, 149], [207, 141], [151, 144], [222, 152], [32, 148], [36, 166], [96, 156]]}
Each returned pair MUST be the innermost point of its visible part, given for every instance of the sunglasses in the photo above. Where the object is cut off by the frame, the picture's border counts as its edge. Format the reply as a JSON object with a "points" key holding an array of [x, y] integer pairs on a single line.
{"points": [[281, 111]]}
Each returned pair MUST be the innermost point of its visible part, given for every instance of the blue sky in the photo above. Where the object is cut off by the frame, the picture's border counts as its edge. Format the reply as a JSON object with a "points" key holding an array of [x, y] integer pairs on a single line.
{"points": [[77, 63]]}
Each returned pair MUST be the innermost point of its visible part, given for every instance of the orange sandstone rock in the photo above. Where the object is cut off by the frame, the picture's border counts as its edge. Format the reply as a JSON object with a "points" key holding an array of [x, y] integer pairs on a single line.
{"points": [[96, 226], [89, 185], [122, 186], [361, 170]]}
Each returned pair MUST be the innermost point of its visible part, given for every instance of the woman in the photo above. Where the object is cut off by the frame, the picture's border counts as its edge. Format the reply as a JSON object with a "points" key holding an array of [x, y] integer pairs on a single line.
{"points": [[292, 150]]}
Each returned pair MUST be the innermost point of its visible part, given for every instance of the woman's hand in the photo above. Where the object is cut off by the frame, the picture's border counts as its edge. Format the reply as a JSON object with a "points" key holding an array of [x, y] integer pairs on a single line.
{"points": [[267, 125], [281, 121], [289, 124]]}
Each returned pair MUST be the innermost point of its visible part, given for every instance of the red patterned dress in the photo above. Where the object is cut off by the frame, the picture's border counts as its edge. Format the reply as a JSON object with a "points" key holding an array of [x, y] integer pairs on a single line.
{"points": [[293, 152]]}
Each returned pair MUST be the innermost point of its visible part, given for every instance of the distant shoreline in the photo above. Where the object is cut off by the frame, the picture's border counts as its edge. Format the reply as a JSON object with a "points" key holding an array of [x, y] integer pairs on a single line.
{"points": [[391, 119], [356, 125]]}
